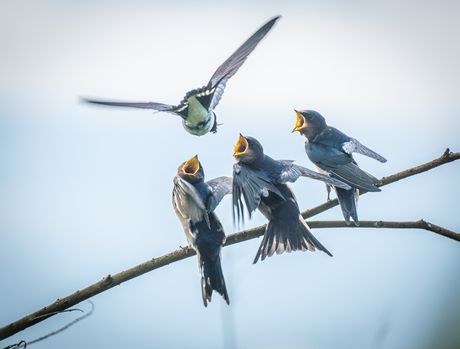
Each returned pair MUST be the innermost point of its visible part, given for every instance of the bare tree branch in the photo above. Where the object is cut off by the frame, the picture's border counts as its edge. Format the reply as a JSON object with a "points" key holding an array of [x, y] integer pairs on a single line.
{"points": [[155, 263], [24, 344], [421, 224], [445, 158]]}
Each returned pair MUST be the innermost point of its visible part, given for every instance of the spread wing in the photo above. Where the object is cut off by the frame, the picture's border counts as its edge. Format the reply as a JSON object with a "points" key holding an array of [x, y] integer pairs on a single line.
{"points": [[229, 68], [252, 185], [220, 187], [292, 172], [341, 165], [148, 105], [187, 202], [355, 146]]}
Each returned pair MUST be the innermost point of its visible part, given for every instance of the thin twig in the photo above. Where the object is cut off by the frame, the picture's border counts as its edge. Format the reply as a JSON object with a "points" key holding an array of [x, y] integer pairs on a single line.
{"points": [[155, 263], [23, 344]]}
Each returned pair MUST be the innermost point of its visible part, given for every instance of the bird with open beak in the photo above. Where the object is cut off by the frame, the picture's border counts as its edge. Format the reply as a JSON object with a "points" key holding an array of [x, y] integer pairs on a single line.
{"points": [[261, 181], [194, 201], [196, 109], [332, 153]]}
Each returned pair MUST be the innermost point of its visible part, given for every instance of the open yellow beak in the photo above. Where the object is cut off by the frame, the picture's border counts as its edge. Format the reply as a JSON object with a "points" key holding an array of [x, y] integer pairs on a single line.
{"points": [[191, 166], [241, 146], [301, 123]]}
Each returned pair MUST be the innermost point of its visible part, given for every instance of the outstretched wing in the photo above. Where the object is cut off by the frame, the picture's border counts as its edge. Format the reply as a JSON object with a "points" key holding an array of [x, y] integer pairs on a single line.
{"points": [[229, 68], [252, 185], [220, 187], [148, 105], [355, 146], [292, 172]]}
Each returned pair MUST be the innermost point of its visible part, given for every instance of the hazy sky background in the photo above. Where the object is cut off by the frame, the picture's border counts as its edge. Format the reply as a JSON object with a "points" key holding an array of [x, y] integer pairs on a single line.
{"points": [[85, 191]]}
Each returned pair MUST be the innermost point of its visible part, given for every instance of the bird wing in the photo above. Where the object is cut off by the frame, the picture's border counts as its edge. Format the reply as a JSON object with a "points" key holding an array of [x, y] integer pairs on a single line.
{"points": [[229, 68], [355, 146], [220, 187], [341, 165], [291, 172], [252, 185], [327, 157], [148, 105], [357, 178], [187, 202]]}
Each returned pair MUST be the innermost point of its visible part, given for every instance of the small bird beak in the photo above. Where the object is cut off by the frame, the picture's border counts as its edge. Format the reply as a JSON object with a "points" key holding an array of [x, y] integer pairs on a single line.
{"points": [[191, 166], [241, 146], [301, 123]]}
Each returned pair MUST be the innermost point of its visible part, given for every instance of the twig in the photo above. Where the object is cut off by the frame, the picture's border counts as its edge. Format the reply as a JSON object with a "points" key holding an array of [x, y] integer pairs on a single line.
{"points": [[155, 263], [24, 344]]}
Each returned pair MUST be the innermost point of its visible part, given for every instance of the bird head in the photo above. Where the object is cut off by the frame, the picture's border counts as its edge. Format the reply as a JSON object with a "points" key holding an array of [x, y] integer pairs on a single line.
{"points": [[309, 123], [248, 149], [191, 170]]}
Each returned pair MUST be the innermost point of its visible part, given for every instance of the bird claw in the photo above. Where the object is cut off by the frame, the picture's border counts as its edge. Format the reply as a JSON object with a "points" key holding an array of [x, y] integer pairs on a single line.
{"points": [[186, 249]]}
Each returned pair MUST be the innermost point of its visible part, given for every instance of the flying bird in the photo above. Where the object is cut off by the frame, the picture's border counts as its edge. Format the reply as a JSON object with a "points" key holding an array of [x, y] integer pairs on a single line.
{"points": [[261, 181], [332, 152], [194, 201], [196, 109]]}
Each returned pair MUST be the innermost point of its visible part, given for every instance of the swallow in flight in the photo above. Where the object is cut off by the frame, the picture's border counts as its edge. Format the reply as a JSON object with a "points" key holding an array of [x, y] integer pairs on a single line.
{"points": [[332, 153], [196, 109], [261, 181]]}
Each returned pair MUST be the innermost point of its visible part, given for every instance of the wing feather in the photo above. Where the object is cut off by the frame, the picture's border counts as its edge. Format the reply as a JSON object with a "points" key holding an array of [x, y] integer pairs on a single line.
{"points": [[251, 185], [220, 187]]}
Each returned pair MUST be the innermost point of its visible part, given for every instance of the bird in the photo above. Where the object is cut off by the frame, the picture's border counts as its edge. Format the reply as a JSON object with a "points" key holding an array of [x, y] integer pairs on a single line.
{"points": [[194, 201], [196, 109], [261, 181], [332, 153]]}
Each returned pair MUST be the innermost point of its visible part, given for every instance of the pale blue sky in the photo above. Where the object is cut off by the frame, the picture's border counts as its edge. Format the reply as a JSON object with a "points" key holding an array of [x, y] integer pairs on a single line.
{"points": [[86, 191]]}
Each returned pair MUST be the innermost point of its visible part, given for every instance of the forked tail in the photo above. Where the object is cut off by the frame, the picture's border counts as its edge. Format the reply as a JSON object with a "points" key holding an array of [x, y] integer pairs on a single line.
{"points": [[287, 231], [212, 278]]}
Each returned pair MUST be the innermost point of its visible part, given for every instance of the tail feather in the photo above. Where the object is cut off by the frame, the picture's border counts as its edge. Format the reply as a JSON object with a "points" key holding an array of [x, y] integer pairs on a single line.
{"points": [[212, 278], [347, 201], [287, 231]]}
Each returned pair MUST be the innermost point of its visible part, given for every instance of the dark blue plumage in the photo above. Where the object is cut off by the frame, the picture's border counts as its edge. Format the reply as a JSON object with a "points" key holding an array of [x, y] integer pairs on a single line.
{"points": [[194, 202], [261, 182], [331, 151]]}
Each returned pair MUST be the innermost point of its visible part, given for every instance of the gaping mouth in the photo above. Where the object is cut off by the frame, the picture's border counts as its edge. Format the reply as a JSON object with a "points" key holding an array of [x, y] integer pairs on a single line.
{"points": [[241, 146], [301, 123], [192, 166]]}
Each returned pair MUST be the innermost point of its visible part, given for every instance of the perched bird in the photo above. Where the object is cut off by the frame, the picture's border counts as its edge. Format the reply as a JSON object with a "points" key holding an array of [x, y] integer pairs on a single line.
{"points": [[196, 109], [331, 151], [262, 183], [194, 201]]}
